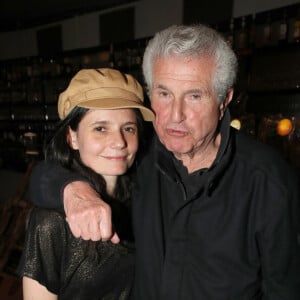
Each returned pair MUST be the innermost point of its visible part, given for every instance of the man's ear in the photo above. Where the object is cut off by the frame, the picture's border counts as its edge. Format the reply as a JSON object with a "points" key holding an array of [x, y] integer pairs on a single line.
{"points": [[72, 139], [226, 101]]}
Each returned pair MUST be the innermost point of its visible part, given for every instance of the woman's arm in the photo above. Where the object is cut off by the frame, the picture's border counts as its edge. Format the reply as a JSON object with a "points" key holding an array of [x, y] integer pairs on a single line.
{"points": [[32, 290]]}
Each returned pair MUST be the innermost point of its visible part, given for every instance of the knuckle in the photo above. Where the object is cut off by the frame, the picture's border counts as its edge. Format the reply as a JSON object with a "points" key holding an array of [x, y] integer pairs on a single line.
{"points": [[85, 236], [96, 237], [105, 209]]}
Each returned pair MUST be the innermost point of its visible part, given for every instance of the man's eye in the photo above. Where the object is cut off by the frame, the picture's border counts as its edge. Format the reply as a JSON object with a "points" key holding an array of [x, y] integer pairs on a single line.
{"points": [[163, 94], [195, 96]]}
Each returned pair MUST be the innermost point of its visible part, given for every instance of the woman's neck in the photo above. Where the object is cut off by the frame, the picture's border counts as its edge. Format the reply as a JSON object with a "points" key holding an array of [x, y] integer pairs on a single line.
{"points": [[111, 182]]}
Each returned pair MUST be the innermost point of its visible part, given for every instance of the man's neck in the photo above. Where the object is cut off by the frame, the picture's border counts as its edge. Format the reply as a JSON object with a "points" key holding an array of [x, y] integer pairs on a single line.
{"points": [[200, 158]]}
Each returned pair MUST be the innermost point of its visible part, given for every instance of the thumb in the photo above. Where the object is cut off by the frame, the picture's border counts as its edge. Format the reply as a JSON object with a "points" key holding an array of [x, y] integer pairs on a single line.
{"points": [[115, 239]]}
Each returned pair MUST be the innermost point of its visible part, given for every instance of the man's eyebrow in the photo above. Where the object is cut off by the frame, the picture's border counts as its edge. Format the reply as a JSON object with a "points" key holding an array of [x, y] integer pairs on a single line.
{"points": [[195, 91], [160, 86]]}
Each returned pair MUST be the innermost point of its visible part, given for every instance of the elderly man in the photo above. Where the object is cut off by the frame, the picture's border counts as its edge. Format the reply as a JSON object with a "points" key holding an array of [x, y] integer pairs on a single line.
{"points": [[215, 213]]}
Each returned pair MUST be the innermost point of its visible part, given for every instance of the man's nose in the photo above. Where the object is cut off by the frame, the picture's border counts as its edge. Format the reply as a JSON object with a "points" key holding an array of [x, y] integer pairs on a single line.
{"points": [[177, 111]]}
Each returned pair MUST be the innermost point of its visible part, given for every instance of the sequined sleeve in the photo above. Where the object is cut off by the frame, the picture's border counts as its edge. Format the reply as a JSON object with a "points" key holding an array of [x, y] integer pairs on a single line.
{"points": [[43, 249]]}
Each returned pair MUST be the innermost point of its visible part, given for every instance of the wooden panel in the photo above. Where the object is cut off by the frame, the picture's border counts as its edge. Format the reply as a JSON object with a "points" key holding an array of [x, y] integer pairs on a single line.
{"points": [[117, 26], [275, 70], [49, 40], [195, 11]]}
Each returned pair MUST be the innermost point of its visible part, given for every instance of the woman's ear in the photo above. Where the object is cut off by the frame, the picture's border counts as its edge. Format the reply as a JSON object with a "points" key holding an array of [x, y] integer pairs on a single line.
{"points": [[72, 139], [225, 103]]}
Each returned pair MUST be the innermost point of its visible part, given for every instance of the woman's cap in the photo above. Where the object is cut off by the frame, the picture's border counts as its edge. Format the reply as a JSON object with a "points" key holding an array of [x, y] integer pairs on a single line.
{"points": [[103, 89]]}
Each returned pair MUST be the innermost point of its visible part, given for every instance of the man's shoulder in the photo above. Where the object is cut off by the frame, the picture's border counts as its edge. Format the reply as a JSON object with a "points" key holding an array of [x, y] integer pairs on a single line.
{"points": [[261, 157], [254, 150]]}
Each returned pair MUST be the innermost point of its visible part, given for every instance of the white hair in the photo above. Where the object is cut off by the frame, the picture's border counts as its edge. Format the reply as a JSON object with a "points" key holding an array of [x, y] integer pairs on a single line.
{"points": [[193, 40]]}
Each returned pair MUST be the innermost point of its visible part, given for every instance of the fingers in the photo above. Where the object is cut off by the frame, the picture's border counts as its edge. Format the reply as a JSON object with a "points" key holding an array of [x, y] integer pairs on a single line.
{"points": [[88, 216], [93, 231], [115, 239], [74, 228]]}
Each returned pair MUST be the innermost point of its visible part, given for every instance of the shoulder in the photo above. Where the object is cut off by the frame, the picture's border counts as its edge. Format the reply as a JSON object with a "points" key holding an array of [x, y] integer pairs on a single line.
{"points": [[263, 159], [47, 220], [256, 151]]}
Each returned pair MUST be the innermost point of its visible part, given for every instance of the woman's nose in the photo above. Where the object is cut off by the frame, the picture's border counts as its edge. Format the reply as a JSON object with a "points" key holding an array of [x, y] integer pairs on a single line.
{"points": [[118, 140]]}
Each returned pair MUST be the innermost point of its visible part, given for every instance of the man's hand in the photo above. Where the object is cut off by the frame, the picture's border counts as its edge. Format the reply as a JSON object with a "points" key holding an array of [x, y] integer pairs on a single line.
{"points": [[89, 217]]}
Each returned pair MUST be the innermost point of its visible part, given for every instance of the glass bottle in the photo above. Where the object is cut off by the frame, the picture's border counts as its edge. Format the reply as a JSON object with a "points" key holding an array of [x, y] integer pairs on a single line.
{"points": [[230, 34], [252, 31], [283, 29], [266, 40], [241, 37], [296, 27], [111, 62]]}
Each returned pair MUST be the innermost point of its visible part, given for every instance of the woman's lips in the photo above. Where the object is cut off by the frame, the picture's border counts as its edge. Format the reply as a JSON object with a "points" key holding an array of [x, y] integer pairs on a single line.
{"points": [[117, 158]]}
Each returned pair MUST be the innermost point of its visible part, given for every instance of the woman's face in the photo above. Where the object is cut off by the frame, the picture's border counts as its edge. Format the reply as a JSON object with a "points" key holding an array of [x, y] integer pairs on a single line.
{"points": [[107, 140]]}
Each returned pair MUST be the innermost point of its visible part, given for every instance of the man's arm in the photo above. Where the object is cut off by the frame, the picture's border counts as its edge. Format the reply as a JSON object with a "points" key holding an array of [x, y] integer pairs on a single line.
{"points": [[47, 183], [52, 186], [280, 245]]}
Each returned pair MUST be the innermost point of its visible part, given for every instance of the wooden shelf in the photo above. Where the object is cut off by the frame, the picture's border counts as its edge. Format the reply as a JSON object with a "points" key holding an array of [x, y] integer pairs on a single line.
{"points": [[13, 223]]}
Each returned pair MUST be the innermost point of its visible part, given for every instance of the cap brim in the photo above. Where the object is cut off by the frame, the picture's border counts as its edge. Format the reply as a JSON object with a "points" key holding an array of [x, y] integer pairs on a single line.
{"points": [[113, 103]]}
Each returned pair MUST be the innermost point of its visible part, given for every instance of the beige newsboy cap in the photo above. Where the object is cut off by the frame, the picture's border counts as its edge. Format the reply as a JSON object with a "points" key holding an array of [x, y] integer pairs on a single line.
{"points": [[103, 89]]}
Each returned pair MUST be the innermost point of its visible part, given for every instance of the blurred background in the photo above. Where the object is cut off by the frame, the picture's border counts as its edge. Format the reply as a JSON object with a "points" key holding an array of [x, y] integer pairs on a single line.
{"points": [[43, 44]]}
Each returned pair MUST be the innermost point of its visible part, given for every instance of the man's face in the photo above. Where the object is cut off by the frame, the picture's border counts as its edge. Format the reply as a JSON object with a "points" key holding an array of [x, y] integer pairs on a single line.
{"points": [[185, 103]]}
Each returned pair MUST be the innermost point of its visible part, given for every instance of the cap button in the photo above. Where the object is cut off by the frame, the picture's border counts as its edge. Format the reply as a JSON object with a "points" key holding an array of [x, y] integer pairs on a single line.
{"points": [[67, 104]]}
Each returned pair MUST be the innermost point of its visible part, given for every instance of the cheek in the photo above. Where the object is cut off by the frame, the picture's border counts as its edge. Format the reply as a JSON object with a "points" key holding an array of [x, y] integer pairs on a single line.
{"points": [[88, 148], [157, 105], [86, 155], [206, 123], [133, 145], [161, 113]]}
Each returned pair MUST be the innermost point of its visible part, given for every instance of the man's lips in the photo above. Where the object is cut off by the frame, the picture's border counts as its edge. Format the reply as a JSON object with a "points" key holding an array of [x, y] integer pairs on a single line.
{"points": [[176, 132]]}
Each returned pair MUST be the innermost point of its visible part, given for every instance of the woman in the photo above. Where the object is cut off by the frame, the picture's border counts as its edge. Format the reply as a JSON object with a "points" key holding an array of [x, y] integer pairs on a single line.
{"points": [[102, 113]]}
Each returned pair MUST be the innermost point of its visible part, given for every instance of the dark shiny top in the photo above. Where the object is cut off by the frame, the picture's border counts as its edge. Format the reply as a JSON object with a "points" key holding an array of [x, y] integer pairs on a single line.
{"points": [[71, 267]]}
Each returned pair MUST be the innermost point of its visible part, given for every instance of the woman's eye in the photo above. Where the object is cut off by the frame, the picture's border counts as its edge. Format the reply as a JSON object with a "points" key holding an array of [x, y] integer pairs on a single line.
{"points": [[130, 129], [100, 128]]}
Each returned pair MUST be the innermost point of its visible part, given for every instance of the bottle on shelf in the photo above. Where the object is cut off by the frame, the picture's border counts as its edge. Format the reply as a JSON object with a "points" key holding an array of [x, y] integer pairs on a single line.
{"points": [[139, 54], [283, 29], [266, 33], [241, 36], [296, 27], [252, 31], [230, 33], [111, 62]]}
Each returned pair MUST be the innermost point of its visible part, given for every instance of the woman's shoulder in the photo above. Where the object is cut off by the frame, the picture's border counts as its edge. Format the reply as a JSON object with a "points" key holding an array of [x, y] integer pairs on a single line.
{"points": [[47, 220]]}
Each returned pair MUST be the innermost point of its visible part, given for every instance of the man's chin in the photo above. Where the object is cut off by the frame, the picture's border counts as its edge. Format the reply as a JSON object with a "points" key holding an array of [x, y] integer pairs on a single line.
{"points": [[177, 149]]}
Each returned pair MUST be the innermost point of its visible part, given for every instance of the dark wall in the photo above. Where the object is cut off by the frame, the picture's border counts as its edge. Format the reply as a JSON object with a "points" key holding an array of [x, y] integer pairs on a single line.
{"points": [[209, 11], [117, 26], [49, 40]]}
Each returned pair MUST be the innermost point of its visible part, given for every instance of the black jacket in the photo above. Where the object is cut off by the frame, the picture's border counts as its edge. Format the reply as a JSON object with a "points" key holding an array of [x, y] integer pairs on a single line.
{"points": [[233, 237], [225, 233]]}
